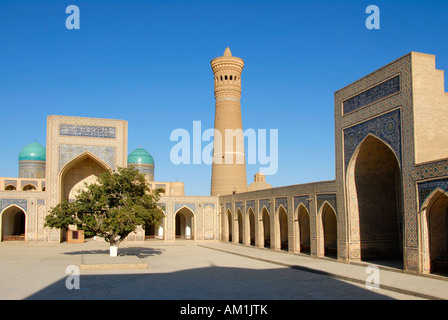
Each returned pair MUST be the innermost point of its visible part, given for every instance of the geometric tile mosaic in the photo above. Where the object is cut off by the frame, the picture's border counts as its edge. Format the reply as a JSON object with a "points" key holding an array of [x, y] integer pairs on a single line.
{"points": [[386, 127], [86, 131], [425, 188], [372, 95]]}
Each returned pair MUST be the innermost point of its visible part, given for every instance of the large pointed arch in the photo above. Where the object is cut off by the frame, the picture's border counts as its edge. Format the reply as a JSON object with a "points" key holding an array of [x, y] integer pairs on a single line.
{"points": [[83, 168], [374, 188]]}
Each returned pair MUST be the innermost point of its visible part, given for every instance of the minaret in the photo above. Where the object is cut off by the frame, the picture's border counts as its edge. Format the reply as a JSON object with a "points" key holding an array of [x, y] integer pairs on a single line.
{"points": [[229, 167]]}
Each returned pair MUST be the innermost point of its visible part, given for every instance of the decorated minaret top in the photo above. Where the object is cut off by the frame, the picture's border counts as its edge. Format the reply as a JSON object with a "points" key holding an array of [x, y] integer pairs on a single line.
{"points": [[227, 71]]}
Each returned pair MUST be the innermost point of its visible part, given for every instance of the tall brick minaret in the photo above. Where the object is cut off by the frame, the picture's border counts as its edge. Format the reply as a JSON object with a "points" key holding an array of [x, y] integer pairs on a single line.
{"points": [[229, 166]]}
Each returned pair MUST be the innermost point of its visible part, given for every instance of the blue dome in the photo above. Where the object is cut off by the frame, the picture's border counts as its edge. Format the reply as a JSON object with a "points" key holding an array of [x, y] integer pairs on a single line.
{"points": [[33, 152], [140, 156]]}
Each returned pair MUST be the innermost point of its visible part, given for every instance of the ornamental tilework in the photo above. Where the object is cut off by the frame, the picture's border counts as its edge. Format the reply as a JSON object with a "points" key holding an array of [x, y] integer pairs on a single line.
{"points": [[386, 127], [301, 200], [87, 131], [69, 152], [264, 203], [250, 204], [431, 170], [330, 198], [239, 205], [179, 205], [22, 203], [11, 183], [209, 205], [281, 202], [31, 182], [427, 187], [372, 95]]}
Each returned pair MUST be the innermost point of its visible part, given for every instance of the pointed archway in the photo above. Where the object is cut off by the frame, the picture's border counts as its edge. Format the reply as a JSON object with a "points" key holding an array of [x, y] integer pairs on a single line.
{"points": [[303, 228], [155, 233], [374, 195], [282, 229], [83, 169], [184, 224], [239, 223], [13, 224], [265, 228], [228, 226], [251, 226], [435, 233], [329, 231]]}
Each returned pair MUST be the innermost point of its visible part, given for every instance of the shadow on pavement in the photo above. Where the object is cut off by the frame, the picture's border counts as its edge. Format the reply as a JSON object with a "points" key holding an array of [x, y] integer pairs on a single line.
{"points": [[209, 283], [141, 252]]}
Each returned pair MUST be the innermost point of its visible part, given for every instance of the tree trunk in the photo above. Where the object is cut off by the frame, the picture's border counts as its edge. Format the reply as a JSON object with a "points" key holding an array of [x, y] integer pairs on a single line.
{"points": [[113, 250]]}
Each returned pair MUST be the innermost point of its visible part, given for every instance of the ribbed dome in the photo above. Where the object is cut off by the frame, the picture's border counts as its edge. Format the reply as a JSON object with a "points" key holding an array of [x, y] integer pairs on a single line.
{"points": [[140, 156], [33, 152], [259, 183]]}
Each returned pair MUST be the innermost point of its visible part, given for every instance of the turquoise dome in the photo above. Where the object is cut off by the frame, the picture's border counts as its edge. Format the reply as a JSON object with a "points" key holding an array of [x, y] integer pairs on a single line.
{"points": [[33, 152], [140, 156]]}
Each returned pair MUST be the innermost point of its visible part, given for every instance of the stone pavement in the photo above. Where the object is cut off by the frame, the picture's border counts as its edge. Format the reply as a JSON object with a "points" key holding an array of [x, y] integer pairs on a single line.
{"points": [[394, 280], [187, 270]]}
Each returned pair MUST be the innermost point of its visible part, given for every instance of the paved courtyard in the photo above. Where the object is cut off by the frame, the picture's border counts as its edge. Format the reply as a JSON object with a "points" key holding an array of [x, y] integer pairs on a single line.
{"points": [[184, 270]]}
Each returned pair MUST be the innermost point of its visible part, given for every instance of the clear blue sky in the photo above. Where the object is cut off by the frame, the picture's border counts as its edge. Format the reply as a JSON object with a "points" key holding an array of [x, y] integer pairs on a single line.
{"points": [[148, 62]]}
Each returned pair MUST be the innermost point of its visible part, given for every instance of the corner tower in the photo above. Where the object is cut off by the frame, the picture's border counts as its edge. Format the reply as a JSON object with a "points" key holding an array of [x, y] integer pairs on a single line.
{"points": [[229, 167]]}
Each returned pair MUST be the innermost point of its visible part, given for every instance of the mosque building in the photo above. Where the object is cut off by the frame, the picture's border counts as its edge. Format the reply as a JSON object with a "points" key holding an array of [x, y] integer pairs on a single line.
{"points": [[388, 202]]}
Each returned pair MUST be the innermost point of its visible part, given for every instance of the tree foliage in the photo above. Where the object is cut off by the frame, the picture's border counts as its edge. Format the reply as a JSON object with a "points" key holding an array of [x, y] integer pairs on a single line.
{"points": [[111, 208]]}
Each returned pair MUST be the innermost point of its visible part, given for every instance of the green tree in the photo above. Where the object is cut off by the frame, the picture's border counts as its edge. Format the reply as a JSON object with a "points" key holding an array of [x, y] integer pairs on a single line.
{"points": [[111, 208]]}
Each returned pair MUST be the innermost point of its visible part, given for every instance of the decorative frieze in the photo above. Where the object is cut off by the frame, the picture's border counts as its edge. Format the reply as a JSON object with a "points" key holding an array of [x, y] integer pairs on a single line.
{"points": [[87, 131], [372, 95]]}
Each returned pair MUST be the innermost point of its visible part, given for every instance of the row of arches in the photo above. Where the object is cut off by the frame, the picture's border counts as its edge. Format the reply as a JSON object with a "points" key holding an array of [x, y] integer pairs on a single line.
{"points": [[13, 225], [282, 232], [28, 187]]}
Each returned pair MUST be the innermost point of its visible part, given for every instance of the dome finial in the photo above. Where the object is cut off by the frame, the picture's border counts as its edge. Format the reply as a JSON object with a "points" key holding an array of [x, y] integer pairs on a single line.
{"points": [[227, 52]]}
